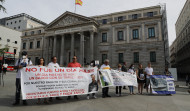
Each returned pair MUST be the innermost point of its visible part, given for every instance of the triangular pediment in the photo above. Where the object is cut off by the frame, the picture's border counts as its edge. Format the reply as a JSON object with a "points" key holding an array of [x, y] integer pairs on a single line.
{"points": [[67, 19]]}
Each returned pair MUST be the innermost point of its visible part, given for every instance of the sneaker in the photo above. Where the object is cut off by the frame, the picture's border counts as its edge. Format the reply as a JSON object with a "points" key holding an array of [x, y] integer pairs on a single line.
{"points": [[76, 97], [24, 103], [94, 97], [103, 96], [117, 95], [88, 97], [108, 96], [15, 103]]}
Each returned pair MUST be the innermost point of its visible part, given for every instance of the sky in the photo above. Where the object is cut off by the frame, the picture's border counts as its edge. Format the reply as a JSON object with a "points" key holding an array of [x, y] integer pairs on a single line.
{"points": [[49, 10]]}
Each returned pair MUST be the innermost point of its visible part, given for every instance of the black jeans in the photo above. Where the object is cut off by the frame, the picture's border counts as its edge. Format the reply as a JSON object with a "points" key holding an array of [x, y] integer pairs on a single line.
{"points": [[118, 87], [18, 91], [105, 90]]}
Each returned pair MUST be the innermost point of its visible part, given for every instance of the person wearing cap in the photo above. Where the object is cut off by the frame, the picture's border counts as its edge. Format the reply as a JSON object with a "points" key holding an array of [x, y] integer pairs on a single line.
{"points": [[54, 64], [74, 64], [20, 63], [105, 90]]}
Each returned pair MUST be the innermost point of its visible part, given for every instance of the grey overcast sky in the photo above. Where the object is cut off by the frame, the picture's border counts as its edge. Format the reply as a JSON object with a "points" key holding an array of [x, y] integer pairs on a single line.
{"points": [[48, 10]]}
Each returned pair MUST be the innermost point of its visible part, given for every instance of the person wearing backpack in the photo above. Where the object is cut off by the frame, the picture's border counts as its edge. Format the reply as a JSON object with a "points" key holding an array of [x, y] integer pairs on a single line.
{"points": [[19, 65]]}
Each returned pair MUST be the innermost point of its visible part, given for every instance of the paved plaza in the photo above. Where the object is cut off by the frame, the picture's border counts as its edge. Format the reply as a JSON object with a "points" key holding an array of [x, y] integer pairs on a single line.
{"points": [[177, 102]]}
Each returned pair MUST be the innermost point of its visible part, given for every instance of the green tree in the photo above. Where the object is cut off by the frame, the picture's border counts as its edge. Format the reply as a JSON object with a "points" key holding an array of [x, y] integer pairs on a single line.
{"points": [[2, 8]]}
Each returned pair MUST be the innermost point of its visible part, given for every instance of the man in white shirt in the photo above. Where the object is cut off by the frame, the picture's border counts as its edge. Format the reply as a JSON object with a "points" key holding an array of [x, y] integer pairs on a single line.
{"points": [[54, 64], [22, 62], [148, 72], [105, 89]]}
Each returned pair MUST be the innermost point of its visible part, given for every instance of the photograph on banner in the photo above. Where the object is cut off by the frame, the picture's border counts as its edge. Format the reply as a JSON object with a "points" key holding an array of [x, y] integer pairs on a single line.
{"points": [[162, 84], [123, 78], [43, 82], [105, 78], [93, 79]]}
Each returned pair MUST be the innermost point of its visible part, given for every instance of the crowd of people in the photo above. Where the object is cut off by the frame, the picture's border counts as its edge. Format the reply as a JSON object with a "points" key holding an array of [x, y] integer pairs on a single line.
{"points": [[143, 77]]}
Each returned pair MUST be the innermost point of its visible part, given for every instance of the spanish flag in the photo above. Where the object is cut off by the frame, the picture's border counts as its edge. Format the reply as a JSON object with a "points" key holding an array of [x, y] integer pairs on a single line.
{"points": [[78, 2]]}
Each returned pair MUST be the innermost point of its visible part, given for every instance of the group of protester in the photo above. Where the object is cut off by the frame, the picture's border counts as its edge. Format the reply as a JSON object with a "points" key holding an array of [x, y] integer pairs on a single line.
{"points": [[143, 77]]}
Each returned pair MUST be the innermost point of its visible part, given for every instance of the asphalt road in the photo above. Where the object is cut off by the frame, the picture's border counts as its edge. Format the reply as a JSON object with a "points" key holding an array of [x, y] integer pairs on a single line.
{"points": [[177, 102]]}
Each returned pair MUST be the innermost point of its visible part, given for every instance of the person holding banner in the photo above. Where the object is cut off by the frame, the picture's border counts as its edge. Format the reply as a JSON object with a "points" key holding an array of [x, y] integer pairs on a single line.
{"points": [[74, 64], [20, 64], [105, 90], [42, 63], [118, 88], [124, 69], [140, 78], [132, 71], [54, 64], [148, 72]]}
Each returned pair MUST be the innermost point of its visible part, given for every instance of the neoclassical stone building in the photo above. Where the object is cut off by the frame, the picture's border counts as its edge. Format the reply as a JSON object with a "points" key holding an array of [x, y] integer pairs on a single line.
{"points": [[134, 36]]}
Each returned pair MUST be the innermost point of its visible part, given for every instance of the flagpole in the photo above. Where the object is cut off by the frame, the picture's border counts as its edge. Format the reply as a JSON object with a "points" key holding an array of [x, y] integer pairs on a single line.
{"points": [[75, 6]]}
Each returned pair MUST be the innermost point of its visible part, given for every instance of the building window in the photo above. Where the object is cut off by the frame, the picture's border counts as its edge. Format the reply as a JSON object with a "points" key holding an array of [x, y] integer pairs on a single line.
{"points": [[150, 14], [120, 18], [14, 27], [11, 23], [120, 35], [15, 22], [19, 20], [18, 27], [32, 33], [134, 16], [153, 56], [7, 23], [31, 45], [104, 21], [36, 61], [151, 32], [8, 40], [25, 33], [24, 46], [39, 31], [136, 57], [104, 37], [15, 42], [120, 57], [135, 33], [104, 56], [38, 44]]}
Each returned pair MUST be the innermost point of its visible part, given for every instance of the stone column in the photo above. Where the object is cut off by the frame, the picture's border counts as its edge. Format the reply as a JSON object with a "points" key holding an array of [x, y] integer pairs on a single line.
{"points": [[128, 33], [82, 48], [54, 46], [143, 32], [62, 50], [72, 45], [160, 31], [91, 45]]}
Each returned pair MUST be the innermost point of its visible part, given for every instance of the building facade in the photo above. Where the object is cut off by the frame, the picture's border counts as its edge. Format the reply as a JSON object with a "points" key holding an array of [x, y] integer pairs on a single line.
{"points": [[10, 38], [21, 22], [180, 49], [134, 36]]}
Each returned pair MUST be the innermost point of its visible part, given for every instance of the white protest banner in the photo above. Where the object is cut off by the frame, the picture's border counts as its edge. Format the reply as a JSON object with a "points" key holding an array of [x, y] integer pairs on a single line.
{"points": [[43, 82], [124, 78], [162, 84], [117, 78]]}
